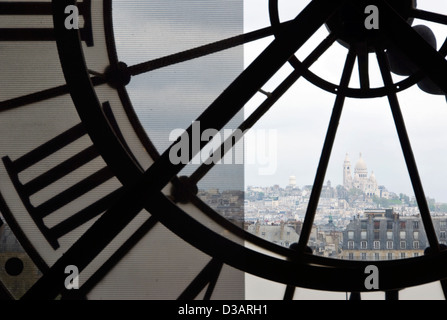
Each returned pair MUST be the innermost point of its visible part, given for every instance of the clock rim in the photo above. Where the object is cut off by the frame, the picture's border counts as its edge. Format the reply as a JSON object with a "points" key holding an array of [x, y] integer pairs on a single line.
{"points": [[288, 253], [349, 92]]}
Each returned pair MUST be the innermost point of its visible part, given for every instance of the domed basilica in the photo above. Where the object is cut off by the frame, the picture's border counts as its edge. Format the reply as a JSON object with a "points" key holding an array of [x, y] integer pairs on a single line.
{"points": [[360, 179]]}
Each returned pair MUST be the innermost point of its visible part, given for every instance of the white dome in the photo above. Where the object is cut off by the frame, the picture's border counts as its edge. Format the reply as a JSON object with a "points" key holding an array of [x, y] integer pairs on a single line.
{"points": [[292, 180], [360, 165]]}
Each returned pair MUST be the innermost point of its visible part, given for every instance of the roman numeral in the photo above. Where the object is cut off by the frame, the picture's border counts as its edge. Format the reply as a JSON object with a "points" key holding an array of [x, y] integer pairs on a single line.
{"points": [[208, 276], [57, 201], [43, 9]]}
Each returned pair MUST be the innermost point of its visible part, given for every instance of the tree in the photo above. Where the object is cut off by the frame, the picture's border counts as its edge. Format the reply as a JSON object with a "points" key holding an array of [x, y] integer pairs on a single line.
{"points": [[404, 198], [342, 193]]}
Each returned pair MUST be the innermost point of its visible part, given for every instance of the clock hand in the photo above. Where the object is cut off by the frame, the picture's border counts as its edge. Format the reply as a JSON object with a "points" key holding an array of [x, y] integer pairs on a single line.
{"points": [[139, 68], [200, 51]]}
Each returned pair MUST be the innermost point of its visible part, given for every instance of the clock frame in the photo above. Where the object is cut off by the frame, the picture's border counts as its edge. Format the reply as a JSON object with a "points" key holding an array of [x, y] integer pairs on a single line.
{"points": [[143, 197]]}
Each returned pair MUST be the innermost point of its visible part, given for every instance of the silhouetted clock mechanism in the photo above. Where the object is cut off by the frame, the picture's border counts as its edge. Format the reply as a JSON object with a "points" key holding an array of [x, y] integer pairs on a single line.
{"points": [[92, 201]]}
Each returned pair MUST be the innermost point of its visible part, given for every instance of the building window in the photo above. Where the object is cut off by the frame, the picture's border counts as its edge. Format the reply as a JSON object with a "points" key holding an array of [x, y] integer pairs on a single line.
{"points": [[389, 225], [363, 235], [363, 255], [389, 235], [403, 234], [376, 244], [390, 256], [350, 244], [402, 224], [415, 244], [376, 256], [351, 256], [350, 234], [376, 235], [416, 235], [442, 224], [442, 235], [363, 244], [376, 224], [403, 245], [416, 254], [402, 255], [389, 244], [415, 225], [363, 225]]}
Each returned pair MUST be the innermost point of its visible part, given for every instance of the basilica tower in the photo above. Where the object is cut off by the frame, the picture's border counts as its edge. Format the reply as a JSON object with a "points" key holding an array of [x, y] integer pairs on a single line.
{"points": [[347, 177]]}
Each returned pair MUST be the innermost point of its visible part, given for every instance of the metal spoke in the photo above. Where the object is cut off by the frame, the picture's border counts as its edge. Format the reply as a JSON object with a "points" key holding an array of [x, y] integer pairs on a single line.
{"points": [[289, 293], [325, 155], [429, 16], [408, 153], [272, 98], [99, 274], [201, 51], [411, 163], [355, 296], [392, 295], [363, 64], [208, 276]]}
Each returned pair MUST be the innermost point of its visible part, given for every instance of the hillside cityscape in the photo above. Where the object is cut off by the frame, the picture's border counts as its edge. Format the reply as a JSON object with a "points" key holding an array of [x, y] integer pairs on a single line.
{"points": [[360, 219]]}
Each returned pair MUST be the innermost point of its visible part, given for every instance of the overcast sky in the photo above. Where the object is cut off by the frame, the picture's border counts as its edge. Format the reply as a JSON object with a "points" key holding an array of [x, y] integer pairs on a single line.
{"points": [[366, 126], [298, 122]]}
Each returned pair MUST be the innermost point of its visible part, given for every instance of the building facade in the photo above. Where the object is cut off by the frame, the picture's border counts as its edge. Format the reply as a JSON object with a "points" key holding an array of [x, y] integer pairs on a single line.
{"points": [[282, 234], [384, 235]]}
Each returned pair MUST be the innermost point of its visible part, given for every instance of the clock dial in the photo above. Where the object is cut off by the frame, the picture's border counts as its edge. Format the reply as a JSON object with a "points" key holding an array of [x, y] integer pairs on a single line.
{"points": [[83, 185], [42, 211], [61, 184]]}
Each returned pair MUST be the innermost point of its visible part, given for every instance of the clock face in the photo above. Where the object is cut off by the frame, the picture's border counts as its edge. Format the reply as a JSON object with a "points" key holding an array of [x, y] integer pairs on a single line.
{"points": [[107, 177], [64, 184]]}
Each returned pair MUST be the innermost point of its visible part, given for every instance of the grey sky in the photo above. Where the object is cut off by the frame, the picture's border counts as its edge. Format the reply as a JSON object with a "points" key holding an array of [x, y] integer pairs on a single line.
{"points": [[174, 96], [301, 117]]}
